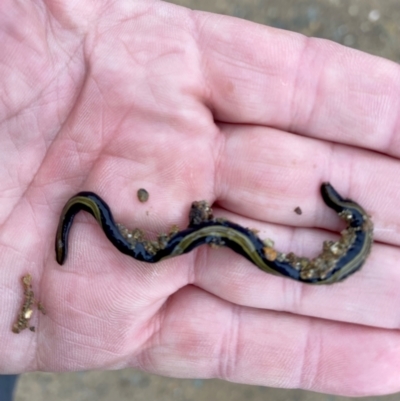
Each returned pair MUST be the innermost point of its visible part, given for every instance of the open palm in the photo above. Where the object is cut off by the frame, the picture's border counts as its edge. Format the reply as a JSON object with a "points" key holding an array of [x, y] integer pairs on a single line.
{"points": [[114, 96]]}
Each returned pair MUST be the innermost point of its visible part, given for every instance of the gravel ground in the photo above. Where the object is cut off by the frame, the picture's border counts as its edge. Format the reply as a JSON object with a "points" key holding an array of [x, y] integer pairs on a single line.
{"points": [[369, 25]]}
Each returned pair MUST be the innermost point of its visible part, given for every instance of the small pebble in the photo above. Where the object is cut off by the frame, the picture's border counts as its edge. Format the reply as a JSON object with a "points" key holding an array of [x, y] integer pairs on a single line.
{"points": [[142, 195]]}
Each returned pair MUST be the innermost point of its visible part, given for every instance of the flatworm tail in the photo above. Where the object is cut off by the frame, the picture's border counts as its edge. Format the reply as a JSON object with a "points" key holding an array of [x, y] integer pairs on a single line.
{"points": [[338, 259]]}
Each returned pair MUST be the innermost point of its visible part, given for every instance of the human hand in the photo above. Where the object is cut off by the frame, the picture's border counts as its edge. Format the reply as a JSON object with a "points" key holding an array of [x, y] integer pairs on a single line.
{"points": [[114, 96]]}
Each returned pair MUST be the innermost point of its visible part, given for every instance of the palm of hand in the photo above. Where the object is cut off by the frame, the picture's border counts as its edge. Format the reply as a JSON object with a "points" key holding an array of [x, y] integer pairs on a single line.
{"points": [[115, 99]]}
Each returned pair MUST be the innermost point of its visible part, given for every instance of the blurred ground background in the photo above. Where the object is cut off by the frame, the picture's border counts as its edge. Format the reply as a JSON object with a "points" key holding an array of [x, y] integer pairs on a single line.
{"points": [[369, 25]]}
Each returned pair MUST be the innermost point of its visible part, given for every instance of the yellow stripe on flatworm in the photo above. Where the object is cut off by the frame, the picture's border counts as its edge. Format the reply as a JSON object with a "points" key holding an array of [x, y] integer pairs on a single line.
{"points": [[224, 232]]}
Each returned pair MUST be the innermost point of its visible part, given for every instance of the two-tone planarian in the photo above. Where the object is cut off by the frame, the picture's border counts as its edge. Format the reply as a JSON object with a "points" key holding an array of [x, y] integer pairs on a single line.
{"points": [[338, 259]]}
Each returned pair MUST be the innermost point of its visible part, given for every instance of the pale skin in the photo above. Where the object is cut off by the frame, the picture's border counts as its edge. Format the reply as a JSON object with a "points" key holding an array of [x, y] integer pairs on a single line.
{"points": [[115, 96]]}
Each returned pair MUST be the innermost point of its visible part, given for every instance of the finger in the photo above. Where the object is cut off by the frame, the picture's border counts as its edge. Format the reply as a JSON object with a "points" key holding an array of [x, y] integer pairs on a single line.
{"points": [[203, 336], [260, 75], [264, 174], [369, 297]]}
